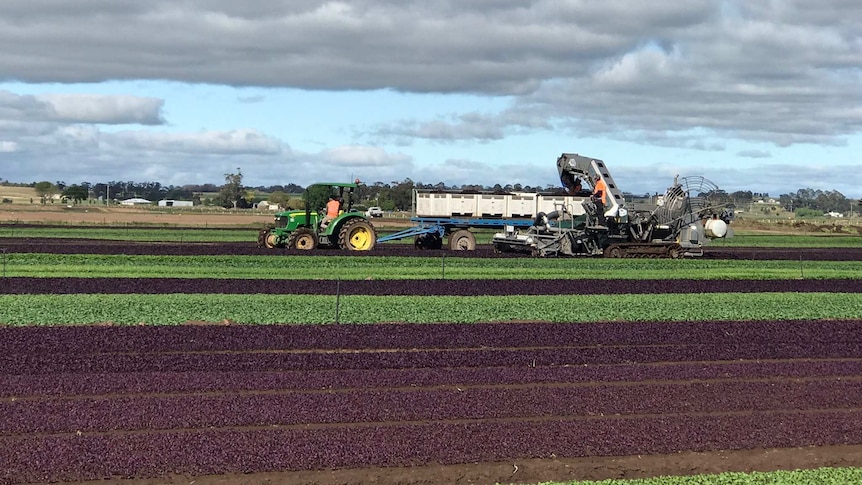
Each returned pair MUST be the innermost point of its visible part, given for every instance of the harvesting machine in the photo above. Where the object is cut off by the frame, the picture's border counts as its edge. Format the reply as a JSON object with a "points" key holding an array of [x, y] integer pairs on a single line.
{"points": [[689, 214]]}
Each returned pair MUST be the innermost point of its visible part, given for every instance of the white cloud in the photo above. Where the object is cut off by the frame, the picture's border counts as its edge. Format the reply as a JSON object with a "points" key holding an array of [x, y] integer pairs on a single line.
{"points": [[698, 75], [207, 142]]}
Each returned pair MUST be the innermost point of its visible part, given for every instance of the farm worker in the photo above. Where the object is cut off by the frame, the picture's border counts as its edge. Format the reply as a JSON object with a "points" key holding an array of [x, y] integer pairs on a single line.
{"points": [[601, 189], [600, 198], [332, 209]]}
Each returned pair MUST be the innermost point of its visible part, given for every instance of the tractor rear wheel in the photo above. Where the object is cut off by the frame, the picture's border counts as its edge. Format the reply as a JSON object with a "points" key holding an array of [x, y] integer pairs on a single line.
{"points": [[462, 240], [357, 235], [303, 239]]}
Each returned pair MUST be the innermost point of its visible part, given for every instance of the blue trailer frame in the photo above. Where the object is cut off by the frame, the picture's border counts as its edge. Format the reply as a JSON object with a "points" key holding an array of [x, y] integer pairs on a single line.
{"points": [[442, 226]]}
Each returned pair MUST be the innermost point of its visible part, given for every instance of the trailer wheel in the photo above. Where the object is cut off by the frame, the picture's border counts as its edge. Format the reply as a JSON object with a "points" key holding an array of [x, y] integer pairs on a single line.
{"points": [[462, 240], [303, 239]]}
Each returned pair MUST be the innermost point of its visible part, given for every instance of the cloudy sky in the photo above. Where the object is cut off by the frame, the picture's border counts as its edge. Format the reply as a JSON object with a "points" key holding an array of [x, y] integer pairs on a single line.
{"points": [[763, 96]]}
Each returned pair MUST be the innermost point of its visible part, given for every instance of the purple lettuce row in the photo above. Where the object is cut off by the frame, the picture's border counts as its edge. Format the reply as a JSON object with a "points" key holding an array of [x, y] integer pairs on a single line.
{"points": [[33, 341], [467, 287], [97, 246], [156, 454], [386, 406], [401, 359], [66, 384], [250, 248]]}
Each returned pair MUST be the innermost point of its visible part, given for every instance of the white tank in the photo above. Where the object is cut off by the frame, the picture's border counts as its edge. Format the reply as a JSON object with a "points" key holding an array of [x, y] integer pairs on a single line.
{"points": [[715, 228]]}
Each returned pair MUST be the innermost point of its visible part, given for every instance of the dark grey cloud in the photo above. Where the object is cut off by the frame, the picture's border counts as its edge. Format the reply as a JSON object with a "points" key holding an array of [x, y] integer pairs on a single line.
{"points": [[784, 72], [694, 74]]}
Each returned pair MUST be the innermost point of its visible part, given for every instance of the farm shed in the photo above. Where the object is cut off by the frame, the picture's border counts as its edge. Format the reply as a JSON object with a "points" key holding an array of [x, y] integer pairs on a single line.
{"points": [[135, 201], [176, 203]]}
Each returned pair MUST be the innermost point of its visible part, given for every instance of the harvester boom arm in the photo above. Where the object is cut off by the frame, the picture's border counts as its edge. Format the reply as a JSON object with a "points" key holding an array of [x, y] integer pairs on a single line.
{"points": [[572, 165]]}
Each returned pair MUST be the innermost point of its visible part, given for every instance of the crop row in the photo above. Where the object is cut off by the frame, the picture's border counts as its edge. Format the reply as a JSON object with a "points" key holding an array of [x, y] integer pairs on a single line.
{"points": [[461, 287], [171, 382], [400, 359], [89, 340], [73, 457], [315, 309], [399, 405], [383, 267]]}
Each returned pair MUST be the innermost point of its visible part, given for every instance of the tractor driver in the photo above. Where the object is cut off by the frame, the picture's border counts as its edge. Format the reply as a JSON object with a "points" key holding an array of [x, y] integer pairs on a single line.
{"points": [[332, 209]]}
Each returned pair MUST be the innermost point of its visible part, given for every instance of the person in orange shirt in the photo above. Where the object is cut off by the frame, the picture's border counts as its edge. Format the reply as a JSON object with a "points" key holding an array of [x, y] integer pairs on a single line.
{"points": [[600, 198], [333, 207], [601, 190]]}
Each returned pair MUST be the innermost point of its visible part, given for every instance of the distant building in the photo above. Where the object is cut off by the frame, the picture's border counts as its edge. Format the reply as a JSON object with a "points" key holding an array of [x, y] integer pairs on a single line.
{"points": [[264, 205], [176, 203], [135, 201]]}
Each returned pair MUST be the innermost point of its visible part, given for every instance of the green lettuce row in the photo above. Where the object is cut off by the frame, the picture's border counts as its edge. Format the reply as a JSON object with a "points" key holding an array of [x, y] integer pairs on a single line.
{"points": [[399, 267], [819, 476], [315, 309]]}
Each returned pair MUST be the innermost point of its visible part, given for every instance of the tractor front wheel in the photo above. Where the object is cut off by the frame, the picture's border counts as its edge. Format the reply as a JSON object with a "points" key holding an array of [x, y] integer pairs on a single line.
{"points": [[303, 239], [357, 235]]}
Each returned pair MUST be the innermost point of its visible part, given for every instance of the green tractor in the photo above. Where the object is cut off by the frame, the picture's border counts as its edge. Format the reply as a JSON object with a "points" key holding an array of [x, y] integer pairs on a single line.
{"points": [[303, 229]]}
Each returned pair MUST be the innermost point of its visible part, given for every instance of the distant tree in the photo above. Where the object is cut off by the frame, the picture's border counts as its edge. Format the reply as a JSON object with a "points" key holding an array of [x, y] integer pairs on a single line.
{"points": [[278, 198], [806, 212], [76, 193], [742, 197], [401, 194], [232, 192], [45, 190], [316, 196], [295, 203]]}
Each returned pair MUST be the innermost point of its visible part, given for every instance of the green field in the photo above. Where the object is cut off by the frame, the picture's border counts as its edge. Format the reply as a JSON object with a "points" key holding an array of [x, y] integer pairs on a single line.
{"points": [[317, 309], [173, 309], [406, 267]]}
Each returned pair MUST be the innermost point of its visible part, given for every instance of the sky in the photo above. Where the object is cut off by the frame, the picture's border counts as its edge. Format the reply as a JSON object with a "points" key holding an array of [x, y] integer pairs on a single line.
{"points": [[753, 95]]}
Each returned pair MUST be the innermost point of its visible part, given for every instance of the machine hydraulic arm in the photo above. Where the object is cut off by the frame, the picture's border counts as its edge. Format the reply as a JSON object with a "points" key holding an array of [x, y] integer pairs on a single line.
{"points": [[573, 167]]}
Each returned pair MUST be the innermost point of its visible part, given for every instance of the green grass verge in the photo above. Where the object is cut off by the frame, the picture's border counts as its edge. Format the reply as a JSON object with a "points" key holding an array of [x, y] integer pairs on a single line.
{"points": [[819, 476], [317, 309], [396, 267]]}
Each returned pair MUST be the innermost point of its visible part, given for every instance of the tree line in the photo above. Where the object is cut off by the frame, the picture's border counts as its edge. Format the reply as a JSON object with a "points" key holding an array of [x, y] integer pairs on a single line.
{"points": [[395, 195]]}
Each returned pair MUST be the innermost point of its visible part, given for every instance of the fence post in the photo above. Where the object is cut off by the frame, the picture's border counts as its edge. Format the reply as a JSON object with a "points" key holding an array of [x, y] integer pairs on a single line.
{"points": [[337, 298]]}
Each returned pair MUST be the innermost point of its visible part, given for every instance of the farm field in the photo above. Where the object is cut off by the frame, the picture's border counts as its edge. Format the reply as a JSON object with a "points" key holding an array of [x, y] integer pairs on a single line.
{"points": [[213, 361]]}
